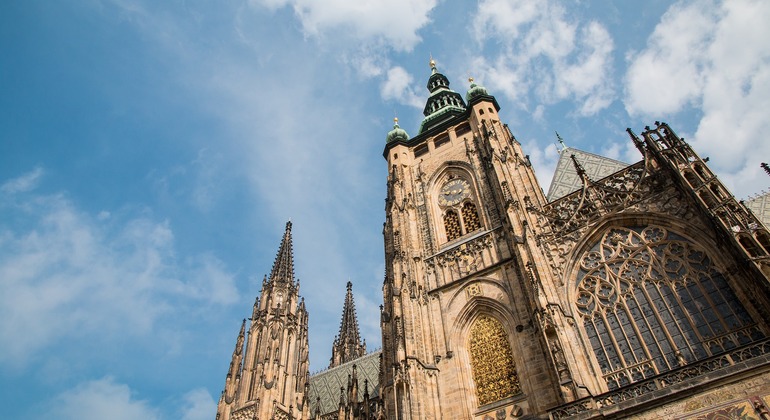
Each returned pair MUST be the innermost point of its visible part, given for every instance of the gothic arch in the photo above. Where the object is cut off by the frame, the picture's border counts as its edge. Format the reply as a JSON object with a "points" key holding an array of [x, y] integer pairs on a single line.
{"points": [[462, 216], [487, 285], [649, 299], [481, 313]]}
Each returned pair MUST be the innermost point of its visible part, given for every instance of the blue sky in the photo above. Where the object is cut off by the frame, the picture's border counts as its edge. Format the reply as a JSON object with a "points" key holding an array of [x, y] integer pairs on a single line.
{"points": [[151, 153]]}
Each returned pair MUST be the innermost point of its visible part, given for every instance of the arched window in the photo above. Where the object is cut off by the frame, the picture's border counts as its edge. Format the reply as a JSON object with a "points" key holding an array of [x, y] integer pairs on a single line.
{"points": [[470, 217], [494, 371], [651, 301], [452, 225], [456, 200]]}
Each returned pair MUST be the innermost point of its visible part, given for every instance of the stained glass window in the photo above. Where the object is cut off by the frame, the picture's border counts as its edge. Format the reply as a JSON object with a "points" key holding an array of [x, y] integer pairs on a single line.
{"points": [[651, 301]]}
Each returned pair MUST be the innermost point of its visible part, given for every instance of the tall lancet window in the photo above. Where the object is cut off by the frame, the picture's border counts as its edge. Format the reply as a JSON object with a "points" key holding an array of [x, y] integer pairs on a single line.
{"points": [[652, 301], [471, 217], [494, 371], [452, 225]]}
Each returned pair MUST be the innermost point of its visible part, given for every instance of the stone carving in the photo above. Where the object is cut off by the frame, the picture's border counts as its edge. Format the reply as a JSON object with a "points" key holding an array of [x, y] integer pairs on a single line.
{"points": [[473, 290], [462, 260], [695, 372]]}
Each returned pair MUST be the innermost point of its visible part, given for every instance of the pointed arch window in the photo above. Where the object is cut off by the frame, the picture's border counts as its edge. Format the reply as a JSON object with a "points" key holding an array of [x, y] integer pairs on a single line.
{"points": [[651, 301], [452, 225], [459, 212], [470, 217], [492, 365]]}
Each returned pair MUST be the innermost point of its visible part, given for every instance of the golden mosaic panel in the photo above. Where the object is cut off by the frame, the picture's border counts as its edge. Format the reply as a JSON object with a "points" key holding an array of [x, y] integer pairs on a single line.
{"points": [[494, 371]]}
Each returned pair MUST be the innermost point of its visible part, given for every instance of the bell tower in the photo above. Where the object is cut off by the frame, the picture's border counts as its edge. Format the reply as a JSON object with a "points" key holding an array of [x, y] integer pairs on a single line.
{"points": [[462, 297]]}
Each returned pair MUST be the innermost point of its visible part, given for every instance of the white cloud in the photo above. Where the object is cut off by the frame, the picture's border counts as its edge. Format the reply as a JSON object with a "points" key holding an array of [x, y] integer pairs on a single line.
{"points": [[713, 56], [198, 405], [669, 73], [100, 399], [394, 22], [398, 86], [210, 280], [544, 54], [504, 17], [66, 275], [24, 183]]}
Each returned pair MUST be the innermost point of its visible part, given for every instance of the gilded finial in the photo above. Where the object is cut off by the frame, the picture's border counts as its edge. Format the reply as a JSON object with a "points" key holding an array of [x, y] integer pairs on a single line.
{"points": [[470, 79], [395, 120], [432, 62]]}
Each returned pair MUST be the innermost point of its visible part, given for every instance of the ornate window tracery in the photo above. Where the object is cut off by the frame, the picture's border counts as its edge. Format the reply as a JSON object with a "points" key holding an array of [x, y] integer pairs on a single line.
{"points": [[652, 301], [494, 371]]}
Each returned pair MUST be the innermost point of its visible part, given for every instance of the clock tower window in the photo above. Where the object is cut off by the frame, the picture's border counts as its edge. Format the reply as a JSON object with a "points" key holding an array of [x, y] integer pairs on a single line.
{"points": [[470, 217], [452, 225]]}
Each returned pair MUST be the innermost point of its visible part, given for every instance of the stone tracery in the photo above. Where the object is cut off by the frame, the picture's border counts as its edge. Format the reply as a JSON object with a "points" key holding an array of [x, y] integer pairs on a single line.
{"points": [[652, 301]]}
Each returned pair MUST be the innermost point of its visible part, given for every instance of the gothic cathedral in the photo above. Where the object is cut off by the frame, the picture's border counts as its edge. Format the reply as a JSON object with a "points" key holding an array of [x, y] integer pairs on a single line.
{"points": [[637, 290]]}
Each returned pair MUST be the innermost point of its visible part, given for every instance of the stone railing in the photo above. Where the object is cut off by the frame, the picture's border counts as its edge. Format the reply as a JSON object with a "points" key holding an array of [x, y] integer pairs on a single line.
{"points": [[464, 258], [758, 352]]}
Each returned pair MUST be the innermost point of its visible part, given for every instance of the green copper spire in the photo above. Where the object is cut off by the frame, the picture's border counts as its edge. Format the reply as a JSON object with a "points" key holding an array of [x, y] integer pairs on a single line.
{"points": [[442, 102]]}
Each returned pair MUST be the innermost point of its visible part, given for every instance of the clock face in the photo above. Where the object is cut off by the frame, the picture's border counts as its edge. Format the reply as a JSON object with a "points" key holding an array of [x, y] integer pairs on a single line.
{"points": [[453, 192]]}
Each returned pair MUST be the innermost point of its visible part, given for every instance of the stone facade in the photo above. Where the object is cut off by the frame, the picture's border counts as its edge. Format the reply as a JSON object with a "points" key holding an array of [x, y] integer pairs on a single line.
{"points": [[638, 291]]}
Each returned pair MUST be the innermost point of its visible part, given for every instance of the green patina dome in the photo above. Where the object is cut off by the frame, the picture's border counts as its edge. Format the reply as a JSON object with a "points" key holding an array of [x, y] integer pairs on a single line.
{"points": [[475, 90], [397, 133]]}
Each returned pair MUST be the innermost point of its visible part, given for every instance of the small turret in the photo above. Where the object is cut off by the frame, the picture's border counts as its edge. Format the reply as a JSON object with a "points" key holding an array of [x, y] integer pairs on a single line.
{"points": [[475, 90], [397, 133]]}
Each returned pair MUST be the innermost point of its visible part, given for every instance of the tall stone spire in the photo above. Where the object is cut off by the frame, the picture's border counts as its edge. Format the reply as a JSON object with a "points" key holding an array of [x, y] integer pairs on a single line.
{"points": [[234, 372], [283, 267], [348, 345], [273, 379]]}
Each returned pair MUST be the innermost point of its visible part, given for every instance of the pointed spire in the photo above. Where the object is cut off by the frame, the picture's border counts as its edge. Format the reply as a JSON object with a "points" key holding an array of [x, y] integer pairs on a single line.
{"points": [[283, 267], [347, 345], [241, 337], [235, 363], [561, 142], [579, 168]]}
